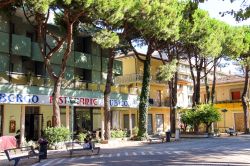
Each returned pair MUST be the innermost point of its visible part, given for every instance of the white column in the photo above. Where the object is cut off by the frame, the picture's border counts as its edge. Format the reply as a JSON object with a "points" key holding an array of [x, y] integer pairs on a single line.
{"points": [[102, 123], [130, 122], [67, 116], [22, 125]]}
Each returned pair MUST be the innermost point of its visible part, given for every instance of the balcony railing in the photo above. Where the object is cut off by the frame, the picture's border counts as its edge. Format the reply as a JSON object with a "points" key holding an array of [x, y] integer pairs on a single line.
{"points": [[228, 101], [43, 81], [132, 78], [159, 103]]}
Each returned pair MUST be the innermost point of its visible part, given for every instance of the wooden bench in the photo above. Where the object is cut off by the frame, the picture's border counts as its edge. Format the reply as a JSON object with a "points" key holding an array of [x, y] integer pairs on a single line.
{"points": [[156, 137], [78, 146], [231, 132], [16, 154]]}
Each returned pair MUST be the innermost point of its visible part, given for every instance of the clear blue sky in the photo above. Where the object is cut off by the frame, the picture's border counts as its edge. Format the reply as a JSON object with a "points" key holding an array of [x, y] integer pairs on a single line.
{"points": [[214, 7]]}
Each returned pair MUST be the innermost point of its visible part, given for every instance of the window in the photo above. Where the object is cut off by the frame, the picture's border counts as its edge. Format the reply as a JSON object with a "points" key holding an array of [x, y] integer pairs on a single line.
{"points": [[235, 95], [83, 44], [31, 35], [159, 123], [40, 69], [83, 74], [27, 65], [126, 120]]}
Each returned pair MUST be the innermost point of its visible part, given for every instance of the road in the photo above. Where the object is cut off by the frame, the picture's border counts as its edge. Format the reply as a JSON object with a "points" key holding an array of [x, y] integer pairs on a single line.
{"points": [[210, 151]]}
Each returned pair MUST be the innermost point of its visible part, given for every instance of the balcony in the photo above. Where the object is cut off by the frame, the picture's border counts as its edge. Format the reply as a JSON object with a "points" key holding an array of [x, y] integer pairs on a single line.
{"points": [[228, 101], [132, 78], [158, 103], [43, 81]]}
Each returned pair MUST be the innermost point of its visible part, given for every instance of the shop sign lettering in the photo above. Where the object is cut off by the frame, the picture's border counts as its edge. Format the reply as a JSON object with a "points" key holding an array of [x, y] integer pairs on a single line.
{"points": [[18, 98], [14, 98]]}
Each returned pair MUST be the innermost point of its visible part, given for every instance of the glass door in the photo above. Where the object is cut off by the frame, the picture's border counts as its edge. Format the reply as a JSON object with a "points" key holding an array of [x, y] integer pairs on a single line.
{"points": [[150, 125]]}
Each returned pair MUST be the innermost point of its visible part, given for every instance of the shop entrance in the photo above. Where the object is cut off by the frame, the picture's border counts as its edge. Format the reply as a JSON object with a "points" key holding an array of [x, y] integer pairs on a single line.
{"points": [[83, 119], [33, 123]]}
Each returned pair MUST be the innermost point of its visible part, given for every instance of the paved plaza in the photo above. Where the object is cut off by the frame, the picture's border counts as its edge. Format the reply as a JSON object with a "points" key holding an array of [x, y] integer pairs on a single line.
{"points": [[206, 151]]}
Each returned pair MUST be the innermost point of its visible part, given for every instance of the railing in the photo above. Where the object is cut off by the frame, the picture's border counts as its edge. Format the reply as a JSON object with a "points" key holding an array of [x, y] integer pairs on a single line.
{"points": [[228, 101], [132, 78], [159, 103], [43, 81]]}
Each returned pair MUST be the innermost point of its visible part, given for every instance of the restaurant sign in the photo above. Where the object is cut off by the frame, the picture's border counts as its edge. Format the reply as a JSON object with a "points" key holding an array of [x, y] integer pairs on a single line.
{"points": [[14, 98]]}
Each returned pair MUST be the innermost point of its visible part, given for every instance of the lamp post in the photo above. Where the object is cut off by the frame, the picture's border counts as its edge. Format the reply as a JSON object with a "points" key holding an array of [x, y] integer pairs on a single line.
{"points": [[72, 101], [224, 111]]}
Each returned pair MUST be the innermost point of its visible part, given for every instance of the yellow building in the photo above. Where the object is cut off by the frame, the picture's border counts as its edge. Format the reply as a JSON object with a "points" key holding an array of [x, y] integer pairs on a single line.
{"points": [[228, 101], [159, 112]]}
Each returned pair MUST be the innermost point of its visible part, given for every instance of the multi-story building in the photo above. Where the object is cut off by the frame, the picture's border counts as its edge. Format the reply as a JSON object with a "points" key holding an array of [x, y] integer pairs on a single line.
{"points": [[25, 88], [159, 112], [228, 100]]}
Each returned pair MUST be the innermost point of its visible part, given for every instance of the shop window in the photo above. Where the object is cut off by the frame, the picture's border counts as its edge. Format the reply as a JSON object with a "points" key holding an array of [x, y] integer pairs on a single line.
{"points": [[235, 95], [83, 120], [1, 120], [126, 121], [159, 123], [63, 115]]}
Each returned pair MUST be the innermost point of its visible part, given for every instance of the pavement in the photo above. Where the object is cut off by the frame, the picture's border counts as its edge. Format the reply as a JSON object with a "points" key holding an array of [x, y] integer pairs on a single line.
{"points": [[204, 151], [63, 153]]}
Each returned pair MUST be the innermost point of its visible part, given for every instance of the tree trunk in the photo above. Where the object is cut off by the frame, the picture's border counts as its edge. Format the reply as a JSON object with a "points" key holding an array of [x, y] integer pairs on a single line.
{"points": [[207, 99], [56, 109], [244, 99], [144, 97], [197, 88], [214, 82], [173, 101], [107, 111]]}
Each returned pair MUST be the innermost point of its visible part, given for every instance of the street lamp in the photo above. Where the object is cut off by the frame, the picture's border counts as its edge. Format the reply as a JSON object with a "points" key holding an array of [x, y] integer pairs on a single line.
{"points": [[224, 111], [72, 102]]}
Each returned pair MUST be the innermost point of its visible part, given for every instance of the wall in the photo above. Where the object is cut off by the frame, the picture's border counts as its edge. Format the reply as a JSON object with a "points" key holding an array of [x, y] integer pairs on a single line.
{"points": [[11, 111]]}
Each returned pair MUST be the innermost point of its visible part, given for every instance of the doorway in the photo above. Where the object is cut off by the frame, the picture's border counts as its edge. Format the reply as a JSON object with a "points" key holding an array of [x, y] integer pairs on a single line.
{"points": [[83, 119], [239, 121], [33, 123], [150, 125]]}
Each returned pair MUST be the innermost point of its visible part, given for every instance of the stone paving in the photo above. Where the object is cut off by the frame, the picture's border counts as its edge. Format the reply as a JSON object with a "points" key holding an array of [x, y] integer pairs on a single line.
{"points": [[205, 151]]}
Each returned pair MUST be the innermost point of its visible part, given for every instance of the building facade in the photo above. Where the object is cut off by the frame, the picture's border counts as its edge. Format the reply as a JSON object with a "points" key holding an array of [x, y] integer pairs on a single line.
{"points": [[228, 100], [25, 88], [159, 112]]}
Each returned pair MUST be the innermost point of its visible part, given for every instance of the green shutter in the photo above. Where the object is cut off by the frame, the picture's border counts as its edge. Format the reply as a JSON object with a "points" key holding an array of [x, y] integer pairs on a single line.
{"points": [[58, 56], [4, 64], [69, 74], [96, 76], [104, 77], [36, 54], [105, 64], [95, 49], [83, 60], [56, 69], [4, 42], [4, 24], [118, 67], [96, 63], [21, 45]]}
